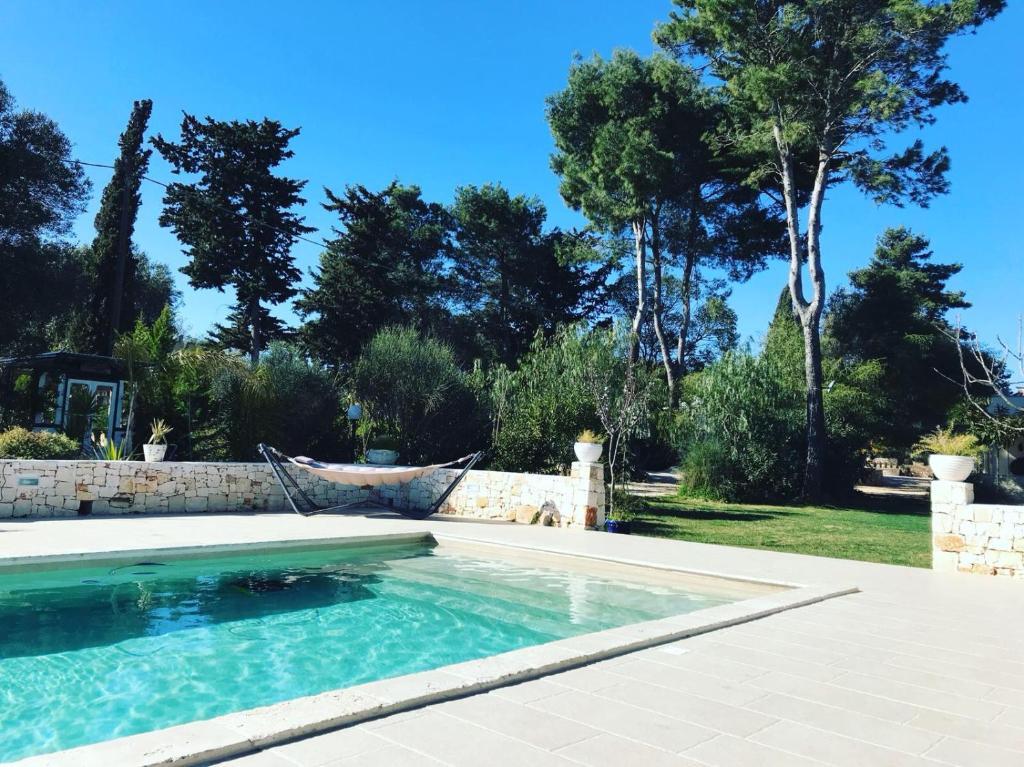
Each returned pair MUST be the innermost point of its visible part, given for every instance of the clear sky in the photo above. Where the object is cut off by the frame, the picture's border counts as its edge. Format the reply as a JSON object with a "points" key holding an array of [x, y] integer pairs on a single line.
{"points": [[450, 92]]}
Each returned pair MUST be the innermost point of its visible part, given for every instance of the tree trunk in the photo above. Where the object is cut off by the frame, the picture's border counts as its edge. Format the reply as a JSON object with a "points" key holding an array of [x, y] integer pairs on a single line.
{"points": [[506, 331], [684, 323], [657, 308], [256, 346], [640, 246], [809, 312]]}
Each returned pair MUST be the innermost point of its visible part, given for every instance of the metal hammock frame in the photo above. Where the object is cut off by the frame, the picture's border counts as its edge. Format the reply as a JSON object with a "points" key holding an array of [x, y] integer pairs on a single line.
{"points": [[305, 506]]}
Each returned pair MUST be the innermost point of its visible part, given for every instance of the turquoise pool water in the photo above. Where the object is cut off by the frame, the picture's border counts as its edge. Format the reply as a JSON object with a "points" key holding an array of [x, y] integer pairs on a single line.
{"points": [[96, 652]]}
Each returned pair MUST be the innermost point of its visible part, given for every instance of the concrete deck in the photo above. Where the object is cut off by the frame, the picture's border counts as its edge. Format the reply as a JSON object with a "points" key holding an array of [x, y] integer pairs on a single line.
{"points": [[919, 668]]}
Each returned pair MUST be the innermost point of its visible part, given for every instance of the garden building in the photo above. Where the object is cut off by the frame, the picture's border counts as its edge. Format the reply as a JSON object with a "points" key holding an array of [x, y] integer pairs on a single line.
{"points": [[78, 394]]}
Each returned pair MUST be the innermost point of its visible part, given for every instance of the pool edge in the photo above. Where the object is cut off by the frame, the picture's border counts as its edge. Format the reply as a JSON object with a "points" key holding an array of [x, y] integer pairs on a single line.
{"points": [[245, 732]]}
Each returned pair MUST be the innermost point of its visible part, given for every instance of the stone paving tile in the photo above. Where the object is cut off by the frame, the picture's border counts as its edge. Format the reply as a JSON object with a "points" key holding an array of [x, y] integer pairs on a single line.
{"points": [[727, 751], [463, 744], [625, 720], [518, 721], [908, 625], [763, 640], [996, 734], [1012, 716], [264, 759], [839, 697], [324, 749], [693, 682], [389, 756], [831, 748], [589, 678], [848, 723], [932, 680], [1006, 696], [768, 661], [689, 708], [611, 751], [781, 632], [700, 659], [964, 753], [921, 696], [992, 674], [528, 692]]}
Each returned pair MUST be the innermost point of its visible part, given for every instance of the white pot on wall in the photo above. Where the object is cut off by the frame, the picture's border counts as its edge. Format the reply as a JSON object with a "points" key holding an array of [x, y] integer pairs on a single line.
{"points": [[951, 468], [154, 453], [588, 452], [382, 457]]}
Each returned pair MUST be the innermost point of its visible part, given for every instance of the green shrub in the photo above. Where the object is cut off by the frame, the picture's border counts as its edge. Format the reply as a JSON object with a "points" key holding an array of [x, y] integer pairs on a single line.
{"points": [[412, 387], [539, 408], [285, 400], [742, 431], [37, 445], [945, 442]]}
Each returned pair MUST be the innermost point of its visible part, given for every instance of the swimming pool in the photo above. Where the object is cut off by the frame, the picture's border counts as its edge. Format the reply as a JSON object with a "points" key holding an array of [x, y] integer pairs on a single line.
{"points": [[96, 651]]}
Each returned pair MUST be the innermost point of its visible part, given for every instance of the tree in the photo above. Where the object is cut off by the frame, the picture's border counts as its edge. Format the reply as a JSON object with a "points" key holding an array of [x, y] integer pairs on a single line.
{"points": [[42, 190], [386, 266], [412, 388], [236, 221], [235, 334], [634, 152], [817, 88], [114, 265], [512, 279], [896, 311]]}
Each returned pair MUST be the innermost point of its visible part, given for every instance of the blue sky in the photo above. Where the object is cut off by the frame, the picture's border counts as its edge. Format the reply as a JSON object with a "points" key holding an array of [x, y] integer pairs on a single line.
{"points": [[448, 93]]}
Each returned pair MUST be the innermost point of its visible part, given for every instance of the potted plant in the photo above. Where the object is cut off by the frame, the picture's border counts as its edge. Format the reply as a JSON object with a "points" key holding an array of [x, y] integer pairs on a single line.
{"points": [[383, 450], [156, 448], [950, 456], [588, 446], [622, 512]]}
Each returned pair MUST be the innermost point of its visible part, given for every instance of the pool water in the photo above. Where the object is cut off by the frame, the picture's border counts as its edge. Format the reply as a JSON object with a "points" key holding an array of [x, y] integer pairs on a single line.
{"points": [[89, 652]]}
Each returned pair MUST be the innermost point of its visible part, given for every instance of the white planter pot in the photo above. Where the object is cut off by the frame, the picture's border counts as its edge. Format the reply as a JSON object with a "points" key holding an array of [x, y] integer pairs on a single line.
{"points": [[588, 452], [382, 457], [154, 453], [951, 468]]}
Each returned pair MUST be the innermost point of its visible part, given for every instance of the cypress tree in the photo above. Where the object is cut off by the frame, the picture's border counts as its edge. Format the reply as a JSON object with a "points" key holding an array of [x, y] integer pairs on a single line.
{"points": [[114, 263]]}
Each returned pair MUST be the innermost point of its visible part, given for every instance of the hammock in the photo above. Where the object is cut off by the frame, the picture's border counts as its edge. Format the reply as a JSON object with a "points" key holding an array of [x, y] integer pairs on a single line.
{"points": [[360, 474]]}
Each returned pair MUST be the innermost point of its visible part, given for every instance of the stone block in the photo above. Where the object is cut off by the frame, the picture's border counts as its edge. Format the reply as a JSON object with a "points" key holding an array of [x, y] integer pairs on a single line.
{"points": [[949, 542], [527, 514], [942, 523]]}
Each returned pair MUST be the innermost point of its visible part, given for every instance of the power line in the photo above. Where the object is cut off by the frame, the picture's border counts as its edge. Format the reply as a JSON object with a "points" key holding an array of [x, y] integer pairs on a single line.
{"points": [[318, 243]]}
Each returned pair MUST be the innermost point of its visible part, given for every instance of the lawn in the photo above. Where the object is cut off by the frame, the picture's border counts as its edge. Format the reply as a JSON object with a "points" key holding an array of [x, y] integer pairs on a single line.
{"points": [[870, 529]]}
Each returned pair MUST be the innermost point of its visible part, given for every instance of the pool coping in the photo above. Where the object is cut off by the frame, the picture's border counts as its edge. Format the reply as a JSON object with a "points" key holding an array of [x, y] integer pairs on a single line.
{"points": [[248, 731]]}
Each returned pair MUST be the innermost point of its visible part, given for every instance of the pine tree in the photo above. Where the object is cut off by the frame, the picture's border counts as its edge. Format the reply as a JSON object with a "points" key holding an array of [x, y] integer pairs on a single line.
{"points": [[114, 264], [236, 221]]}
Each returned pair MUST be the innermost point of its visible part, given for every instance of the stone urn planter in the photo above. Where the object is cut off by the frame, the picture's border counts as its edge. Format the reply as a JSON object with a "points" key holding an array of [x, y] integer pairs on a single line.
{"points": [[951, 468], [588, 452], [382, 457], [154, 453]]}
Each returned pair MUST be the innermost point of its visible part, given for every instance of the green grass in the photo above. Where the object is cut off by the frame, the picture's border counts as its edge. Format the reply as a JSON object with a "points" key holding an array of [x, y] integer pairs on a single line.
{"points": [[892, 531]]}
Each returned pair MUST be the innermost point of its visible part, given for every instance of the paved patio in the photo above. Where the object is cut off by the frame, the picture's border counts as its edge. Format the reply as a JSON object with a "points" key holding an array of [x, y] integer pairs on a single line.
{"points": [[919, 668]]}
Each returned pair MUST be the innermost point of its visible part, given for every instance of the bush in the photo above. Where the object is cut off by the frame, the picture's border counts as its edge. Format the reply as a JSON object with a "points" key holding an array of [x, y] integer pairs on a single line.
{"points": [[539, 408], [285, 400], [37, 445], [742, 431], [412, 387]]}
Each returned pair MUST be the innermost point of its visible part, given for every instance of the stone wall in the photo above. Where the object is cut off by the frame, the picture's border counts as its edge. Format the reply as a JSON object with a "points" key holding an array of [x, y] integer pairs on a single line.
{"points": [[973, 537], [68, 488]]}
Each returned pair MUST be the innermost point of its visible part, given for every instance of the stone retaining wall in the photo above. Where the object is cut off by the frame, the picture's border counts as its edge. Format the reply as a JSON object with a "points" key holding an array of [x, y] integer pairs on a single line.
{"points": [[68, 488], [973, 537]]}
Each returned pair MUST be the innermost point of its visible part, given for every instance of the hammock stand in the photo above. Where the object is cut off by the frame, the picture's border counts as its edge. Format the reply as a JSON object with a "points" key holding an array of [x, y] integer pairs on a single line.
{"points": [[363, 475]]}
